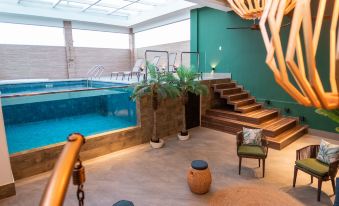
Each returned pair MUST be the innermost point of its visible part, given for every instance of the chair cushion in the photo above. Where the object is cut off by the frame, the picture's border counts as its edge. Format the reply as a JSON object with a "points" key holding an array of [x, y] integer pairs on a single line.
{"points": [[314, 166], [251, 150], [252, 136], [199, 164], [328, 153]]}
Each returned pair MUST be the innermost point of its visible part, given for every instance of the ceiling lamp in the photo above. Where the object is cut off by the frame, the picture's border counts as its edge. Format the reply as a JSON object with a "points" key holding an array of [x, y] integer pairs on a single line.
{"points": [[300, 61], [253, 9]]}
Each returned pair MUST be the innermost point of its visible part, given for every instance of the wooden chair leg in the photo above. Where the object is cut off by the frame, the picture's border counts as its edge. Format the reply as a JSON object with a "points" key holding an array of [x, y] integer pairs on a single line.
{"points": [[259, 162], [295, 175], [117, 76], [320, 182], [111, 76], [240, 165], [263, 167], [311, 179], [333, 184]]}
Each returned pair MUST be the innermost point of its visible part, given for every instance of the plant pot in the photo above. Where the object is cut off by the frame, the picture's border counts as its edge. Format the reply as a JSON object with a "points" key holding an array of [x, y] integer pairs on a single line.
{"points": [[157, 145], [183, 137]]}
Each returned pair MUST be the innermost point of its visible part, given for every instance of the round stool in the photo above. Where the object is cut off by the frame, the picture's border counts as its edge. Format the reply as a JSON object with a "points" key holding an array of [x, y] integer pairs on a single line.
{"points": [[124, 203], [199, 177]]}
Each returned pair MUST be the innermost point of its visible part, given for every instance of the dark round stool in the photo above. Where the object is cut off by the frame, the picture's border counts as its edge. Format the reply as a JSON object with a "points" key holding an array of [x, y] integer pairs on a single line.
{"points": [[199, 177], [124, 203]]}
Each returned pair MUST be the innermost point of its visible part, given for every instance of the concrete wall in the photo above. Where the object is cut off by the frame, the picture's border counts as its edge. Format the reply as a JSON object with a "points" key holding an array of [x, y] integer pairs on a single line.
{"points": [[32, 62], [172, 47], [28, 62]]}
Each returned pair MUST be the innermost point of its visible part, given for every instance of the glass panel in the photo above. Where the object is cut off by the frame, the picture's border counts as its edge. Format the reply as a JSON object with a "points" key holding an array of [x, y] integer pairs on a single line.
{"points": [[176, 32], [38, 120], [31, 35], [96, 39]]}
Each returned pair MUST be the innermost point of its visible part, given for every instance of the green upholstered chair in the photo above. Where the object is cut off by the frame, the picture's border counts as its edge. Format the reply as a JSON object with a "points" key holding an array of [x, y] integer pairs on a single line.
{"points": [[306, 161], [252, 151]]}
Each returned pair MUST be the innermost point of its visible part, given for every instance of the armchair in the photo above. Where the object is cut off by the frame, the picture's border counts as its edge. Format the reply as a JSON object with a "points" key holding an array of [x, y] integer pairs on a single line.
{"points": [[306, 161], [252, 151]]}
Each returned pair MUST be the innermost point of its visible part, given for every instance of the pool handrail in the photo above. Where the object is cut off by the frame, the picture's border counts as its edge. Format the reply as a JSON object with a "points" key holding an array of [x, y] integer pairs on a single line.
{"points": [[56, 188]]}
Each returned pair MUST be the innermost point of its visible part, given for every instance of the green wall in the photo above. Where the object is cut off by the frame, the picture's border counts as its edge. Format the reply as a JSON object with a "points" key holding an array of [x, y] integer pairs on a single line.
{"points": [[243, 55]]}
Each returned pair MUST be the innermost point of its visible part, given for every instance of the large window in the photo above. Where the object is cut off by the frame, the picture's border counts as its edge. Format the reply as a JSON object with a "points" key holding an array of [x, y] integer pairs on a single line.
{"points": [[31, 35], [170, 33], [97, 39]]}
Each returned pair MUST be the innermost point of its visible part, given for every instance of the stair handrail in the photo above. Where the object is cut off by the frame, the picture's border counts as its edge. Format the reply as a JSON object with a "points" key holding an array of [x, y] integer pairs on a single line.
{"points": [[56, 188]]}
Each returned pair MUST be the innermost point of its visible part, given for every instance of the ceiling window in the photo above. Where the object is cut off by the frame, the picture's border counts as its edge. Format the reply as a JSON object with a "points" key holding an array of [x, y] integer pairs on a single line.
{"points": [[176, 32], [98, 39], [21, 34]]}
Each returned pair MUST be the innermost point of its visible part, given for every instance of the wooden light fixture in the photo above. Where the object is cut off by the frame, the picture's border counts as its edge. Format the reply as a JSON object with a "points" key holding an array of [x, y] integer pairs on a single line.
{"points": [[309, 90], [253, 9]]}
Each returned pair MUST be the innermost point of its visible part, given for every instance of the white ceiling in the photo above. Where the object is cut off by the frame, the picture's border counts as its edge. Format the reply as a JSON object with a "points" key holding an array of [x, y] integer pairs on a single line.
{"points": [[124, 13]]}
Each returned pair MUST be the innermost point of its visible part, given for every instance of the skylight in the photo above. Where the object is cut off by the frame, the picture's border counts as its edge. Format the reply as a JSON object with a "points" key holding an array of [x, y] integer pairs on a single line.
{"points": [[120, 12]]}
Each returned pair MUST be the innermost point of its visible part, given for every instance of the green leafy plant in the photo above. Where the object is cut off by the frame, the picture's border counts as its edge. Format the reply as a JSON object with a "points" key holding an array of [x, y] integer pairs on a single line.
{"points": [[331, 114], [159, 86], [186, 83]]}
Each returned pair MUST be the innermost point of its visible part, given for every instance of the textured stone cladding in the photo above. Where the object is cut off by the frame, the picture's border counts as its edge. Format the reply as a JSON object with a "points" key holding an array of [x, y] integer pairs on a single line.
{"points": [[29, 163]]}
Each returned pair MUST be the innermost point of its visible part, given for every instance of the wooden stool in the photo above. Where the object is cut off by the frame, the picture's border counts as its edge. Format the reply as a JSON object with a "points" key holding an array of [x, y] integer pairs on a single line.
{"points": [[199, 177]]}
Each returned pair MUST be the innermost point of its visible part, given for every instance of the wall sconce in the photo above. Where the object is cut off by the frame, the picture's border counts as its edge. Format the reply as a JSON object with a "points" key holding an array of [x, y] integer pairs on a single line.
{"points": [[302, 118], [287, 110], [213, 70], [268, 102]]}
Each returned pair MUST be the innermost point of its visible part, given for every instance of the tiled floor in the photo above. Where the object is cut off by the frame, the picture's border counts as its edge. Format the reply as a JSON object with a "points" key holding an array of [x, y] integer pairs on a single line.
{"points": [[152, 177]]}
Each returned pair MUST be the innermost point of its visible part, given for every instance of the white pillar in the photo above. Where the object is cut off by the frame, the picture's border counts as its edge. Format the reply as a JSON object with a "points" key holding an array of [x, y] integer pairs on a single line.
{"points": [[7, 187]]}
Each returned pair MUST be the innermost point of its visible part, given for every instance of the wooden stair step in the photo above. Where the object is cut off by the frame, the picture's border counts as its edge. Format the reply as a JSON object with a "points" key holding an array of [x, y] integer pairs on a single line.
{"points": [[255, 117], [287, 137], [270, 128], [242, 102], [224, 85], [227, 91], [280, 126], [249, 108], [231, 97]]}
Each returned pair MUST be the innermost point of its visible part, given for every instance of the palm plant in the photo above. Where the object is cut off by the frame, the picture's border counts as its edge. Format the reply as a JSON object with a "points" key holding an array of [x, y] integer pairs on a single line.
{"points": [[186, 83], [159, 86]]}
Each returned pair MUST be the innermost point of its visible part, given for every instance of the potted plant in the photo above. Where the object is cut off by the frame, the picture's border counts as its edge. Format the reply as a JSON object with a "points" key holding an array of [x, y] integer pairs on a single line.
{"points": [[159, 86], [186, 83]]}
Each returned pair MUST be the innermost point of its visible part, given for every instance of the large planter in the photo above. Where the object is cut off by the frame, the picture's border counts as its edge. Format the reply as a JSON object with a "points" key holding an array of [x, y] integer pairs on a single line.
{"points": [[157, 145], [183, 137]]}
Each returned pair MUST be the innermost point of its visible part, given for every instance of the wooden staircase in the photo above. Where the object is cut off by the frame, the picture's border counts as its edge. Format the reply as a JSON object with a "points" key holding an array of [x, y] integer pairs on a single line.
{"points": [[234, 108]]}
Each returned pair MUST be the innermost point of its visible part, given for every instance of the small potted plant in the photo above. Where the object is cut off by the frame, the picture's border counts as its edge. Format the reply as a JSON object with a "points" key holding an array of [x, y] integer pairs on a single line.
{"points": [[186, 83], [159, 86]]}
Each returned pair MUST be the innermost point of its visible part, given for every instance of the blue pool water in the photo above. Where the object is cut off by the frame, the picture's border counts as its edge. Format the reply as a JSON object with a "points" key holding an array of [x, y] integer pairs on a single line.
{"points": [[34, 121], [53, 86]]}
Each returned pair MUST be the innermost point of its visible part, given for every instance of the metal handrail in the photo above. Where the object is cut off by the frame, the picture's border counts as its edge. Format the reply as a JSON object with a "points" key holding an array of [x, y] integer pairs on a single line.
{"points": [[156, 51], [198, 60], [94, 72], [56, 189]]}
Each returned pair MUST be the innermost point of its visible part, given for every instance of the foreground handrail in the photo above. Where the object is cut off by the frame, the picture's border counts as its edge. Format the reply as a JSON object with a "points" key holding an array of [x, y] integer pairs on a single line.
{"points": [[57, 185]]}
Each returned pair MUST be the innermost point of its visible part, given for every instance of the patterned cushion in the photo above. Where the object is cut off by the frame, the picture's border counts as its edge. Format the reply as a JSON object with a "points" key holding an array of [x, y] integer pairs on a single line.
{"points": [[328, 153], [251, 150], [252, 136], [314, 166]]}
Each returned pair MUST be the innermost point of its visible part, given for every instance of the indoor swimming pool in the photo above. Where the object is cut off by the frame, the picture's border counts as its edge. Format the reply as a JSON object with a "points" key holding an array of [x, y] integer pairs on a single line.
{"points": [[45, 113]]}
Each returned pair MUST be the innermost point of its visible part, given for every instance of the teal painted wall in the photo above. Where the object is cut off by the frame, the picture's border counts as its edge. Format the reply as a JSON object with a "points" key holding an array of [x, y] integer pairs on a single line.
{"points": [[243, 55]]}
